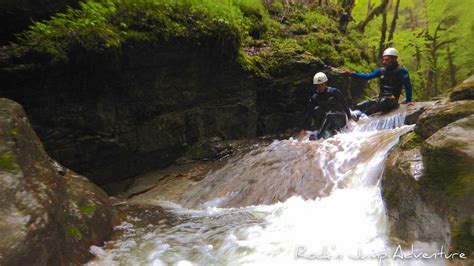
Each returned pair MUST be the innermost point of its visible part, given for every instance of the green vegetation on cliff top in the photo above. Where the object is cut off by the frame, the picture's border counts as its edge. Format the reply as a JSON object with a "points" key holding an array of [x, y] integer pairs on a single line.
{"points": [[220, 26], [100, 26]]}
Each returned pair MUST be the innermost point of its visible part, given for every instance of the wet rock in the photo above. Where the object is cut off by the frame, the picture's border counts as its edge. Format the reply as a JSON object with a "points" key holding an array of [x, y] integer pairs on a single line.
{"points": [[415, 111], [449, 159], [413, 213], [428, 184], [440, 115], [48, 214]]}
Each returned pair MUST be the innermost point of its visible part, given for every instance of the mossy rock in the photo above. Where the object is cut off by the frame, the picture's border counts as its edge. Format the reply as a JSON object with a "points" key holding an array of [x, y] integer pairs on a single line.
{"points": [[440, 115], [34, 187], [74, 232], [7, 163], [463, 236], [464, 91], [449, 159], [414, 214]]}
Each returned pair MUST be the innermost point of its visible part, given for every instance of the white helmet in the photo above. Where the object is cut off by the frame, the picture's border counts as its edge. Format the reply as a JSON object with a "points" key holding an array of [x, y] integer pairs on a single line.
{"points": [[319, 78], [390, 51]]}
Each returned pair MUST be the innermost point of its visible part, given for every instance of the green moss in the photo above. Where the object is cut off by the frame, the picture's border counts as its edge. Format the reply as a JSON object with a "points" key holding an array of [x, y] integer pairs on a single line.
{"points": [[299, 29], [88, 209], [463, 184], [412, 141], [463, 237], [105, 26], [322, 45], [448, 173], [74, 232], [13, 132], [220, 27], [7, 163]]}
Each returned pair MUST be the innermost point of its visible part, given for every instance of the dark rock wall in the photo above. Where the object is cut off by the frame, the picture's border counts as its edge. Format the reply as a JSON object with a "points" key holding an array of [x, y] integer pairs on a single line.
{"points": [[113, 116], [110, 118]]}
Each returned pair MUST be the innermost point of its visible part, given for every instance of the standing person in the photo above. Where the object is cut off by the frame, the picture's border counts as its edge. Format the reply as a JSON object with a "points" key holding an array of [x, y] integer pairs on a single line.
{"points": [[331, 103], [344, 21], [393, 77]]}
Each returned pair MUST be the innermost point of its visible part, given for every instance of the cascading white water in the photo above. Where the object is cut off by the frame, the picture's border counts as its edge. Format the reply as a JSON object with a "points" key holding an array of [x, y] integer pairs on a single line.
{"points": [[347, 226]]}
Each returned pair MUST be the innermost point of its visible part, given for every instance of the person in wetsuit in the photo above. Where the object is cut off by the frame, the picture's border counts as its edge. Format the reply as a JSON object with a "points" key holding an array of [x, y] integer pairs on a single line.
{"points": [[331, 103], [393, 77]]}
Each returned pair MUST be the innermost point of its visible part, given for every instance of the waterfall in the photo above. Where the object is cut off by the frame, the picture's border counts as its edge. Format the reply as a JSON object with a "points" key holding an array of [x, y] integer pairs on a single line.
{"points": [[289, 203]]}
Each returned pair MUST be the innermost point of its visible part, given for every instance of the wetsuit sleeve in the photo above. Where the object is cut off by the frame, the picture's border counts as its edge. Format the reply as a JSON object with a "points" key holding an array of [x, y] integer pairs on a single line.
{"points": [[406, 83], [343, 102], [374, 74]]}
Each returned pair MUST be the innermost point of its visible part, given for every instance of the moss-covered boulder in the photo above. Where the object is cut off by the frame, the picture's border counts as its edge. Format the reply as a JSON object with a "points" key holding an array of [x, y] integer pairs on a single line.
{"points": [[413, 213], [428, 181], [48, 214], [440, 115], [464, 91], [449, 159]]}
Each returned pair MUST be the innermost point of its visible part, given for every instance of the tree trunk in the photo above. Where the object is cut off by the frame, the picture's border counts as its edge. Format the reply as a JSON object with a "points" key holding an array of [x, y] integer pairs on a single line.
{"points": [[452, 68], [370, 6], [418, 57], [414, 25], [375, 12], [383, 31], [393, 25]]}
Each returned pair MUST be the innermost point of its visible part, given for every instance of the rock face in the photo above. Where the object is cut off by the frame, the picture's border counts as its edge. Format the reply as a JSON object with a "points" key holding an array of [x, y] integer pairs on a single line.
{"points": [[48, 214], [16, 16], [109, 120], [440, 115], [413, 213], [428, 183], [113, 118]]}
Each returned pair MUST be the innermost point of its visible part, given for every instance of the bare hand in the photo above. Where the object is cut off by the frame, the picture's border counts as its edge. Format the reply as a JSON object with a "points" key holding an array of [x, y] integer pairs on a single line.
{"points": [[347, 71], [301, 134]]}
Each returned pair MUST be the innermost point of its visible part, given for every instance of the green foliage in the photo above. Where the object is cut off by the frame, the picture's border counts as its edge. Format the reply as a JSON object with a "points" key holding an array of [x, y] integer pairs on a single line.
{"points": [[87, 27], [318, 20], [420, 22], [105, 26]]}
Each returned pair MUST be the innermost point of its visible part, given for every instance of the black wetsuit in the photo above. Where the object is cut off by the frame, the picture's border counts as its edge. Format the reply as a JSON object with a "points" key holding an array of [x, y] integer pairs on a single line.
{"points": [[333, 106], [392, 79]]}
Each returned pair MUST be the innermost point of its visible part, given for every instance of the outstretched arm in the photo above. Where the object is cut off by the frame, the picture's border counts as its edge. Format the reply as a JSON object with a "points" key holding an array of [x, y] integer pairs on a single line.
{"points": [[371, 75]]}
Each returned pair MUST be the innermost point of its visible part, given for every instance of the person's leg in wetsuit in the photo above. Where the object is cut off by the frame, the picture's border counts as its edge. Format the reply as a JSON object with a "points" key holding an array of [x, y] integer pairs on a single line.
{"points": [[333, 121], [368, 107], [387, 103], [383, 104]]}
